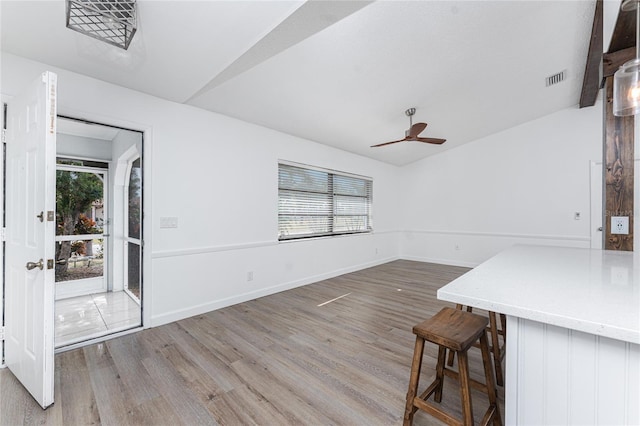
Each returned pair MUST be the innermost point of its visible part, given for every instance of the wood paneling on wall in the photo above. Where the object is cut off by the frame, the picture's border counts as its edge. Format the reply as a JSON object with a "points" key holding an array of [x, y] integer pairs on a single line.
{"points": [[618, 172]]}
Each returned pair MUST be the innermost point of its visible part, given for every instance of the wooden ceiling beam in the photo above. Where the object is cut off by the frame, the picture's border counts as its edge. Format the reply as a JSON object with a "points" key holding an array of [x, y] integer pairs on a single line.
{"points": [[623, 44], [624, 33], [612, 61], [591, 80]]}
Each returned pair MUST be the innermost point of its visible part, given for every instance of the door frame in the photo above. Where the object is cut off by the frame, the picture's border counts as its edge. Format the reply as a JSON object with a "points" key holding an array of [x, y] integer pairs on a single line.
{"points": [[595, 217], [3, 127], [90, 117], [145, 132]]}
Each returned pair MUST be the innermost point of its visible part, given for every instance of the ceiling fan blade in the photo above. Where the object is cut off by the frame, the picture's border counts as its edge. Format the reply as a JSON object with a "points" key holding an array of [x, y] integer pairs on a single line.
{"points": [[416, 129], [389, 143], [430, 140]]}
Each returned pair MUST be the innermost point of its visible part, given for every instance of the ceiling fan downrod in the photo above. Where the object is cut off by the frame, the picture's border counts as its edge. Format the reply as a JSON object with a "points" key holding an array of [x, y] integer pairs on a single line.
{"points": [[409, 113]]}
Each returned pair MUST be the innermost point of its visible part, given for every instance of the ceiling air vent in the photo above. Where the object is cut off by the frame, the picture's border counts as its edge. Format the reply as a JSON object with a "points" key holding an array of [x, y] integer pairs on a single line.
{"points": [[556, 78]]}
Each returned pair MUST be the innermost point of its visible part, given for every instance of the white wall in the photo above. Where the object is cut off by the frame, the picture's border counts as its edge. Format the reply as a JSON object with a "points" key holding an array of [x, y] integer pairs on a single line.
{"points": [[522, 185], [82, 147], [218, 176]]}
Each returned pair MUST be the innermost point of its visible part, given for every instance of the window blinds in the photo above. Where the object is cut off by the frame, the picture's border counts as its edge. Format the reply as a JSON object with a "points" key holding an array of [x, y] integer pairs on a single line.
{"points": [[314, 202]]}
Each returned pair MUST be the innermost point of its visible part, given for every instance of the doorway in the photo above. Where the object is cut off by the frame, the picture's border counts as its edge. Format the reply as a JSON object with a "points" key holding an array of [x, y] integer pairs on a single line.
{"points": [[99, 189]]}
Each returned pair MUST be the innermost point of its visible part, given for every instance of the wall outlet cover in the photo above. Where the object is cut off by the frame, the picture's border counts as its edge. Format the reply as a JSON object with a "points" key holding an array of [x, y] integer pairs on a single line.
{"points": [[620, 225]]}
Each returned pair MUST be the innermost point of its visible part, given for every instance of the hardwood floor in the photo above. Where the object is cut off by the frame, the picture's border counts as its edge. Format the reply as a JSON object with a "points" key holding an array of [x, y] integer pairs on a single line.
{"points": [[288, 358]]}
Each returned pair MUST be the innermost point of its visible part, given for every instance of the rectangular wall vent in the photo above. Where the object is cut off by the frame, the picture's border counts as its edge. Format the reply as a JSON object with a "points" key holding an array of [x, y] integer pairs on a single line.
{"points": [[556, 78]]}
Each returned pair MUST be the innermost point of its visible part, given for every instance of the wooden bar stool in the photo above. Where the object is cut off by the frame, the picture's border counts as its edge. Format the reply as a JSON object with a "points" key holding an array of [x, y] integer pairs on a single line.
{"points": [[497, 349], [455, 330]]}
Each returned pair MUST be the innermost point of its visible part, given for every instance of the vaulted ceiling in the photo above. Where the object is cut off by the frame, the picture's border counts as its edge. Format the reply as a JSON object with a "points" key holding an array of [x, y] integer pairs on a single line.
{"points": [[340, 73]]}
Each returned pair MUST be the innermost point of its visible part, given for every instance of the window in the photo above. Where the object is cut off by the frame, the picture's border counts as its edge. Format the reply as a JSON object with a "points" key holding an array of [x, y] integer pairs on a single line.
{"points": [[314, 202]]}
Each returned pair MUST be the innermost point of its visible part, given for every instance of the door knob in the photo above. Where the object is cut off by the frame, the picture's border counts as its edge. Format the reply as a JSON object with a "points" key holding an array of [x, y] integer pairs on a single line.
{"points": [[33, 265]]}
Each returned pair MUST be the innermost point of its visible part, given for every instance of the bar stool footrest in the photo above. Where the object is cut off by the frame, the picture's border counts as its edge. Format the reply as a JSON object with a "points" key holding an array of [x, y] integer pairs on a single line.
{"points": [[436, 412]]}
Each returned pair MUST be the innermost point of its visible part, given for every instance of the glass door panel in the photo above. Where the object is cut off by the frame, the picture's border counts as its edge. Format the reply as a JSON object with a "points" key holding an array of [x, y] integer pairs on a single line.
{"points": [[80, 238], [133, 244]]}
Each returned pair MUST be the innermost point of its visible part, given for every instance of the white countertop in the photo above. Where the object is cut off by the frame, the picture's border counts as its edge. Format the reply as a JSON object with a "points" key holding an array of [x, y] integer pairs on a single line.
{"points": [[594, 291]]}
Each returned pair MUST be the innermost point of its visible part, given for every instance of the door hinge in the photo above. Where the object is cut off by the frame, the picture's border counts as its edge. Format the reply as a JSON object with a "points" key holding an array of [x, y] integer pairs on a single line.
{"points": [[4, 135], [3, 234], [2, 334]]}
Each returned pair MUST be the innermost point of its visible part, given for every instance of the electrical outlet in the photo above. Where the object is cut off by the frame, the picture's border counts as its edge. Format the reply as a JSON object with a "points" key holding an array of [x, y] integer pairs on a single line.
{"points": [[250, 276], [576, 215], [620, 225], [457, 246]]}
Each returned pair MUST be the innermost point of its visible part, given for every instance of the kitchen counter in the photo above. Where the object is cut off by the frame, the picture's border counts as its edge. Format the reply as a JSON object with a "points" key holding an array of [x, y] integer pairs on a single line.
{"points": [[594, 291], [573, 332]]}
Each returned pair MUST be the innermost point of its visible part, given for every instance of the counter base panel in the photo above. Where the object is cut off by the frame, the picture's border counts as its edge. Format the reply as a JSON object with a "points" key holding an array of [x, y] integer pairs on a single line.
{"points": [[559, 376]]}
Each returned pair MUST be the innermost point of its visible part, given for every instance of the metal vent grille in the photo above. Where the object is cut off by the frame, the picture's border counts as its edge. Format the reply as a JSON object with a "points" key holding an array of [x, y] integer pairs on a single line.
{"points": [[111, 21], [556, 78]]}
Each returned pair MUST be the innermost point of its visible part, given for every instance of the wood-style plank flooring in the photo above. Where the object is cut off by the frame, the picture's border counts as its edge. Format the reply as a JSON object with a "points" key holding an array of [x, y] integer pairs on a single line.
{"points": [[277, 360]]}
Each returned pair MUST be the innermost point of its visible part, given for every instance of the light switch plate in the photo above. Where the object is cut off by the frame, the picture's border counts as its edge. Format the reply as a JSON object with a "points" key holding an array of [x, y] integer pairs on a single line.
{"points": [[168, 222], [620, 225]]}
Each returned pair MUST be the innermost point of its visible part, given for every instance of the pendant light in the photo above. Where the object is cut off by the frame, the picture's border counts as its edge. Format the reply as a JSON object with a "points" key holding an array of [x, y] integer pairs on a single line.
{"points": [[626, 81]]}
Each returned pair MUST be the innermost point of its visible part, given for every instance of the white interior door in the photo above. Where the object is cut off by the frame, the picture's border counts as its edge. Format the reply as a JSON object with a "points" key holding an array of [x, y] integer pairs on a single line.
{"points": [[596, 206], [30, 223]]}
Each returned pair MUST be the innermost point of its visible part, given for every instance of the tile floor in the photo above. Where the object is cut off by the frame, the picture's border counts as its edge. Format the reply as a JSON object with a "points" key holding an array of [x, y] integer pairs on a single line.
{"points": [[85, 317]]}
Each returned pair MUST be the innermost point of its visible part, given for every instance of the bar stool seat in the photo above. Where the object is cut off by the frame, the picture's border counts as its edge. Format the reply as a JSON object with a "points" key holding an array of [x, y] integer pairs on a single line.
{"points": [[455, 330]]}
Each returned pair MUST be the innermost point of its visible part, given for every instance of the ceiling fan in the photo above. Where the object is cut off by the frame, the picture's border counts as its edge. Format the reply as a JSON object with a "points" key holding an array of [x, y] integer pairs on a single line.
{"points": [[413, 132]]}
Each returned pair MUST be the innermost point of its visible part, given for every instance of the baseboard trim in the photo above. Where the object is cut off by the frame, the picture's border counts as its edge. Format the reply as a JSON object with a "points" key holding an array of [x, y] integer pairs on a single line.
{"points": [[157, 320], [440, 261]]}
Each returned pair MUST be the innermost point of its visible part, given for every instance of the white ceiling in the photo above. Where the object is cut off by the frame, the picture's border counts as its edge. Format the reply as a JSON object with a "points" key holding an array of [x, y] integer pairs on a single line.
{"points": [[338, 72]]}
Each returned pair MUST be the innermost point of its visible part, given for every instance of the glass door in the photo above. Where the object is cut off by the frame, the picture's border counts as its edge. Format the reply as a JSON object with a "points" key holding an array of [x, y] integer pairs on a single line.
{"points": [[81, 252], [133, 229]]}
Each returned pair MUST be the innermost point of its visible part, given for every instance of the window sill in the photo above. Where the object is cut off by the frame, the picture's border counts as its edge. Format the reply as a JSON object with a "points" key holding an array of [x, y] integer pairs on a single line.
{"points": [[324, 237]]}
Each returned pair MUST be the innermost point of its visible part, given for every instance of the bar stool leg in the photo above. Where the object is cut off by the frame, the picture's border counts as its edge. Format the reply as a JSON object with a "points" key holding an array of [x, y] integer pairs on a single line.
{"points": [[442, 351], [503, 323], [451, 353], [450, 358], [416, 366], [495, 342], [465, 391], [488, 374]]}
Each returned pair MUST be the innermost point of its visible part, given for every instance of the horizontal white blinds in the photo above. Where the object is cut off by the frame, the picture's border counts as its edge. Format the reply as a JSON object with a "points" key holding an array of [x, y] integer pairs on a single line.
{"points": [[314, 203]]}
